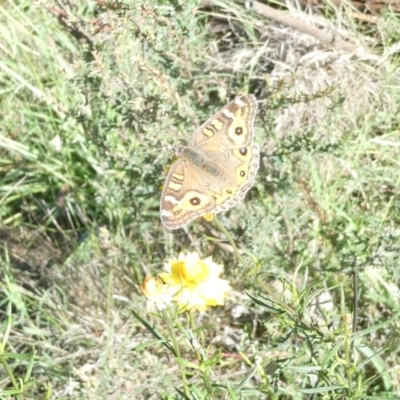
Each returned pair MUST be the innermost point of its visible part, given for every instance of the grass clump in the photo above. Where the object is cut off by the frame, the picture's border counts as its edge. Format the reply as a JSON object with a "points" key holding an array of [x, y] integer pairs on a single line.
{"points": [[93, 96]]}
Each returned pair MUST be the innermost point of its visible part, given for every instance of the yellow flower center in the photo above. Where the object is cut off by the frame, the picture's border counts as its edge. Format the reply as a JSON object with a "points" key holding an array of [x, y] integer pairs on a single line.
{"points": [[193, 273]]}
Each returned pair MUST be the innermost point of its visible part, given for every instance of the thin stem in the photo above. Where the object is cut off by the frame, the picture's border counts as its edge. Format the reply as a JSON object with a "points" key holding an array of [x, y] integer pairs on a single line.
{"points": [[229, 237], [198, 348], [170, 325]]}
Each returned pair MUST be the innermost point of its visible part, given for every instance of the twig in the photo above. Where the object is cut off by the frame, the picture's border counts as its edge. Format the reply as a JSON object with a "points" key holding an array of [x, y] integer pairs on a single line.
{"points": [[295, 23]]}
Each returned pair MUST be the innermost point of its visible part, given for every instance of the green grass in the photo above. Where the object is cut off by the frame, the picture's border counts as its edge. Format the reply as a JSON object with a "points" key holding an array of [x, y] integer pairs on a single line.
{"points": [[92, 103]]}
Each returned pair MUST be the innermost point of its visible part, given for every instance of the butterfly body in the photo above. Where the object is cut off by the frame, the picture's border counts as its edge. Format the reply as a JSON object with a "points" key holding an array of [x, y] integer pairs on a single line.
{"points": [[217, 167]]}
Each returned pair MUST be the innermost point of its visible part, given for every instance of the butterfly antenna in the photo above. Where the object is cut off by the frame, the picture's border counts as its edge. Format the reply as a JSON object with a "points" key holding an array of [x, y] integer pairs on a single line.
{"points": [[157, 150]]}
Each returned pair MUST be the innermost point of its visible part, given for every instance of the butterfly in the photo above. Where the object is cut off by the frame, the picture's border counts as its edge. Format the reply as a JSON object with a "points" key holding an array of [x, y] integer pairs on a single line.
{"points": [[217, 167]]}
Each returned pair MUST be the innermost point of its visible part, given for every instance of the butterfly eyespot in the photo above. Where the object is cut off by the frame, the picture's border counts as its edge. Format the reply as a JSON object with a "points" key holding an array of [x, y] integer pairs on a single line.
{"points": [[243, 151], [239, 130], [195, 201], [229, 191], [242, 174]]}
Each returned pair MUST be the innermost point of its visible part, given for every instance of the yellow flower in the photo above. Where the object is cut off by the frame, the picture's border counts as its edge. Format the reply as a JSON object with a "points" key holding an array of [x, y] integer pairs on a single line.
{"points": [[158, 296], [194, 283]]}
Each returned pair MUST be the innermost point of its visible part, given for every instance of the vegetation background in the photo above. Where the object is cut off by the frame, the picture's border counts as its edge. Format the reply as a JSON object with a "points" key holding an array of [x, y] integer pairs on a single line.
{"points": [[93, 96]]}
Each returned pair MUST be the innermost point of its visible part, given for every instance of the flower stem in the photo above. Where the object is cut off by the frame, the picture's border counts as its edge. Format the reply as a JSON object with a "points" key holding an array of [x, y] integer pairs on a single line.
{"points": [[231, 241], [170, 325]]}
